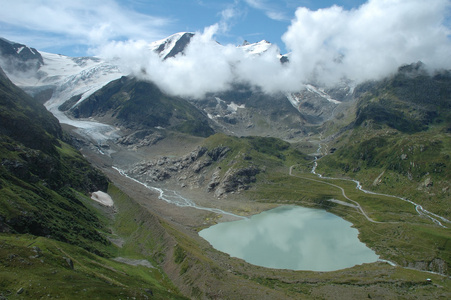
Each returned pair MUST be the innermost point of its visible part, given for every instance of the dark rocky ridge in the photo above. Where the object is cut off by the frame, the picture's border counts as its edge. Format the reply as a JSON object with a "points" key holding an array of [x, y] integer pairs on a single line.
{"points": [[179, 46], [19, 58], [141, 105], [191, 170]]}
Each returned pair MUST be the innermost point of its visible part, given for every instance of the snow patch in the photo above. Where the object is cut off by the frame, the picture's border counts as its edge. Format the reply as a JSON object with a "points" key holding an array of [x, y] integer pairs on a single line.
{"points": [[233, 107], [219, 100], [294, 100], [134, 262], [256, 48], [102, 198], [321, 93]]}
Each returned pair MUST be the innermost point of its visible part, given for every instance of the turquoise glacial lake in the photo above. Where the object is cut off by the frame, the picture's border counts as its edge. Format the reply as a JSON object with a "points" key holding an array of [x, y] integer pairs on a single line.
{"points": [[292, 237]]}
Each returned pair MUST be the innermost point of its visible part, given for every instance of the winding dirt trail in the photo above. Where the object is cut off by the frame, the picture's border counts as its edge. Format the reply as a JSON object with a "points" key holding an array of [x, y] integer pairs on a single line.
{"points": [[419, 209], [357, 205]]}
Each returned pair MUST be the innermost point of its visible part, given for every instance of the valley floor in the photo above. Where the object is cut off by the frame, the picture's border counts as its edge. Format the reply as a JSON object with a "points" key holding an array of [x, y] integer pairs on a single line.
{"points": [[213, 274]]}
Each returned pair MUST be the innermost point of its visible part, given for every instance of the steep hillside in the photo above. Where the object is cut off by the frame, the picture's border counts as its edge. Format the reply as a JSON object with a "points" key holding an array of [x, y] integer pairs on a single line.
{"points": [[141, 105], [408, 102], [41, 175], [401, 139], [246, 110], [48, 224]]}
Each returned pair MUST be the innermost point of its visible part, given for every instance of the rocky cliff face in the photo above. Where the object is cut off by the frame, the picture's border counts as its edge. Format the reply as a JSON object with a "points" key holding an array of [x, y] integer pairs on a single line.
{"points": [[245, 111], [198, 169], [19, 58]]}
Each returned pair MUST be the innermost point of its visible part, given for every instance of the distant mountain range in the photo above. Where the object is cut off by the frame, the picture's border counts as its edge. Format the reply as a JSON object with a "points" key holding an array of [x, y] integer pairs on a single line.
{"points": [[58, 80]]}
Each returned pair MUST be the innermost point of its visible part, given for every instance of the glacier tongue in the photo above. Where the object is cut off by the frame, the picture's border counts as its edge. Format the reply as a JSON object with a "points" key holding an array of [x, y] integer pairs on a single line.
{"points": [[69, 77], [80, 76]]}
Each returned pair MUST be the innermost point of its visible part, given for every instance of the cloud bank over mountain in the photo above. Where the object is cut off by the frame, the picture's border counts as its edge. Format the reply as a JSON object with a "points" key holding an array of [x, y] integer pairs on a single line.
{"points": [[370, 41], [326, 46]]}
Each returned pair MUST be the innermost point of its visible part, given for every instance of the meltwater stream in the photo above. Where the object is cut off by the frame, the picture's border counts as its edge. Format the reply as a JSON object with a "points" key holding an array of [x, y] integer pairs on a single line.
{"points": [[175, 198]]}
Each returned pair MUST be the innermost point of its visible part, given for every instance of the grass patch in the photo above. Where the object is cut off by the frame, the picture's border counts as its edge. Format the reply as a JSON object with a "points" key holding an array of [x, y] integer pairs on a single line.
{"points": [[403, 236], [38, 267]]}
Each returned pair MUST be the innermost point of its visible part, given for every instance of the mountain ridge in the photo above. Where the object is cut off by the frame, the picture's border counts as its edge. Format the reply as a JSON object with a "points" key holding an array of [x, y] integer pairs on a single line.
{"points": [[142, 105], [60, 78]]}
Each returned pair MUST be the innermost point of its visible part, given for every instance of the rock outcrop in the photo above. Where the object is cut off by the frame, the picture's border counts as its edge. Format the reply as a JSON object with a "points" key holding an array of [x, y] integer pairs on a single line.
{"points": [[141, 138], [198, 169], [236, 180]]}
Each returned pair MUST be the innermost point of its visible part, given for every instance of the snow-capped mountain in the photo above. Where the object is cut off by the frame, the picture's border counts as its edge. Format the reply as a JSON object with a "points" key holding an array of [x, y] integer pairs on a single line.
{"points": [[256, 48], [67, 77], [17, 57], [55, 79], [177, 43], [172, 45]]}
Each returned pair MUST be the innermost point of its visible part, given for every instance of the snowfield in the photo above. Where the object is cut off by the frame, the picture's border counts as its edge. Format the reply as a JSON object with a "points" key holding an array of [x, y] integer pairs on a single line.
{"points": [[102, 198]]}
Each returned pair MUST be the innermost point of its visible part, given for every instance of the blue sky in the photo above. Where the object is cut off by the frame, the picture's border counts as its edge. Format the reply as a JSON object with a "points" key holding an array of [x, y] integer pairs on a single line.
{"points": [[326, 40], [252, 20], [76, 28]]}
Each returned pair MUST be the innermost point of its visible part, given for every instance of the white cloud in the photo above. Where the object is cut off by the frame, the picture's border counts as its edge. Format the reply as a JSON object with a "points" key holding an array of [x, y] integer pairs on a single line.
{"points": [[364, 43], [270, 9], [229, 16], [206, 66], [327, 44], [371, 41], [80, 22]]}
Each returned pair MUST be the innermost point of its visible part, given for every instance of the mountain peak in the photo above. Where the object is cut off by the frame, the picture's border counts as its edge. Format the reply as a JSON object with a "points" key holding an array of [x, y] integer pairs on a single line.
{"points": [[172, 45], [19, 57], [256, 48]]}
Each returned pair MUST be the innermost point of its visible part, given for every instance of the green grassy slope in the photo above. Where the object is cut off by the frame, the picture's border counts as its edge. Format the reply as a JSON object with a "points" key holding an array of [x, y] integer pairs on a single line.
{"points": [[33, 267], [266, 152], [414, 166], [41, 176], [401, 141], [54, 242]]}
